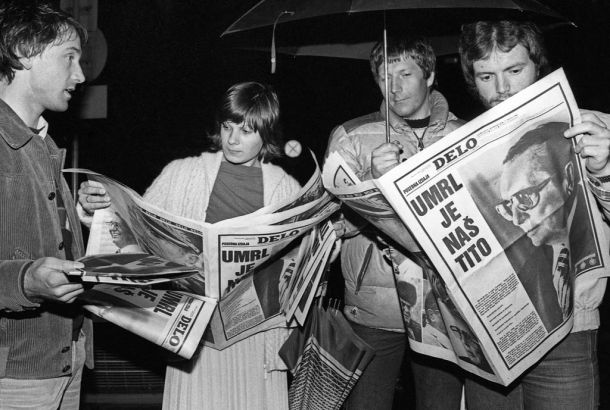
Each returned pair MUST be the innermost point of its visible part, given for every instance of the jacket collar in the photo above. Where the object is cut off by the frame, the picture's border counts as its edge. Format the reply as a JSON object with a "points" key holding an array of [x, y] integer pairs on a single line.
{"points": [[439, 112], [14, 131]]}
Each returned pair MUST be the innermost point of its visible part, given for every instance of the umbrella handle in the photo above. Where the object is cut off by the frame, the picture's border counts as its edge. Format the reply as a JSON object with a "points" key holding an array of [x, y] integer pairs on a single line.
{"points": [[386, 83]]}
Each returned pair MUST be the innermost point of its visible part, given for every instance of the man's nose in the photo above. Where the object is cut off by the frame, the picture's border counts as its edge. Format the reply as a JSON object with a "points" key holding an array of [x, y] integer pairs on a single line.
{"points": [[78, 74], [502, 84], [395, 86], [519, 216]]}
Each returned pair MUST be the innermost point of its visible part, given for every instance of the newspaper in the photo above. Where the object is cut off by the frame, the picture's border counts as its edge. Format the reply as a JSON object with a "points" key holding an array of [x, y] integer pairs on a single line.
{"points": [[171, 319], [129, 269], [241, 262], [278, 290], [507, 225]]}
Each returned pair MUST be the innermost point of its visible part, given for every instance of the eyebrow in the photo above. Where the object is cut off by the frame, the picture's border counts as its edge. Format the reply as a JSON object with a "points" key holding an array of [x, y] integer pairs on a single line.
{"points": [[519, 64], [75, 49]]}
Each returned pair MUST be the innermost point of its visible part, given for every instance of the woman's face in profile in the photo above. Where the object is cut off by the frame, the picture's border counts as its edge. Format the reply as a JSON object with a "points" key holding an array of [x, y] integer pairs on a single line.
{"points": [[240, 143]]}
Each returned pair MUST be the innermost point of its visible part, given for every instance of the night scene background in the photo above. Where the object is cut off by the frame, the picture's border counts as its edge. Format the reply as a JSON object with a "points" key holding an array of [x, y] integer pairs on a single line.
{"points": [[167, 66]]}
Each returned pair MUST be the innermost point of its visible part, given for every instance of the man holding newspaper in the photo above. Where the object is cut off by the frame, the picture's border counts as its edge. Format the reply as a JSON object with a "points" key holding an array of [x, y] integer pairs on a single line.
{"points": [[42, 333], [529, 202], [419, 116], [499, 59]]}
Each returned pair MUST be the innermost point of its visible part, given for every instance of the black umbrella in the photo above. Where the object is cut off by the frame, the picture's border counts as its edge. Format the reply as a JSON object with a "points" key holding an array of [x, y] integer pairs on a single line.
{"points": [[311, 24]]}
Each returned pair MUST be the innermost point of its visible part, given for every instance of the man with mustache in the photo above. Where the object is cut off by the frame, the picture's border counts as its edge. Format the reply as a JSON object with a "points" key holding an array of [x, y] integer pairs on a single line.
{"points": [[499, 59]]}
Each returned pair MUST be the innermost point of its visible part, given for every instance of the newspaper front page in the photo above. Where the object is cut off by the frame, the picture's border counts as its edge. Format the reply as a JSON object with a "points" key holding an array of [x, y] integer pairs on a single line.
{"points": [[501, 209]]}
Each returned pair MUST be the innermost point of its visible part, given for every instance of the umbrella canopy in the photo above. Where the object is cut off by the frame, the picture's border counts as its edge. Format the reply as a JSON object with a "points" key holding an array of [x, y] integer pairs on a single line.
{"points": [[346, 28], [320, 22], [267, 12], [442, 45]]}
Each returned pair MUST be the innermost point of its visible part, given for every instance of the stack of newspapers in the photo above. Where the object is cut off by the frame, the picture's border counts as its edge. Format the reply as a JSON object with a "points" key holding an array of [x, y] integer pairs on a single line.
{"points": [[168, 278]]}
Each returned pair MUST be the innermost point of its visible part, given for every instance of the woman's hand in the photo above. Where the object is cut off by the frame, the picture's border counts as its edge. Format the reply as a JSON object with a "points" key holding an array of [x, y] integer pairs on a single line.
{"points": [[92, 195]]}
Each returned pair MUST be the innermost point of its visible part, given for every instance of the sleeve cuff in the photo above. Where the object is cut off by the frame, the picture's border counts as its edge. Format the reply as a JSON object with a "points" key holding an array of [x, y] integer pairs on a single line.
{"points": [[596, 188], [24, 301], [12, 295], [85, 218]]}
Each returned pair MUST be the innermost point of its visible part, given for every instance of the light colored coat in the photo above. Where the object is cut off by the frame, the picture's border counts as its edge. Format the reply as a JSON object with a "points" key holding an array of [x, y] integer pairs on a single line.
{"points": [[376, 304]]}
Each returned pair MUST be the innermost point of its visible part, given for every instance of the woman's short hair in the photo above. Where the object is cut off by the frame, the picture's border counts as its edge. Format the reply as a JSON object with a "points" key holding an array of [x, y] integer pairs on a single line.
{"points": [[257, 106], [479, 39]]}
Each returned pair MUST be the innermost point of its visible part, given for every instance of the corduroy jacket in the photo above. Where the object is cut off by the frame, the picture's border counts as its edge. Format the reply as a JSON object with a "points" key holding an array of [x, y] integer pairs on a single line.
{"points": [[35, 339]]}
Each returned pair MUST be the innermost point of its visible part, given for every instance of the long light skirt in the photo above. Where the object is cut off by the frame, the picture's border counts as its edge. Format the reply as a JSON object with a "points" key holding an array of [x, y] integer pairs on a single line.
{"points": [[248, 375]]}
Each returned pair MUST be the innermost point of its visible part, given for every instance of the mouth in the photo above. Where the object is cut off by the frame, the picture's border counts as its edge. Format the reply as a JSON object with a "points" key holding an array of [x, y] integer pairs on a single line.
{"points": [[69, 91], [500, 99]]}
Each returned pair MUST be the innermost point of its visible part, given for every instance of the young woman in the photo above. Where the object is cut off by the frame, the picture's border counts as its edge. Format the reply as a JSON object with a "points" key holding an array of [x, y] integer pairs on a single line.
{"points": [[233, 180]]}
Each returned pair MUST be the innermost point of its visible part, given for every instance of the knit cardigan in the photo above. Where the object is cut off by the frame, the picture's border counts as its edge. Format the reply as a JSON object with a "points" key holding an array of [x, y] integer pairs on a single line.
{"points": [[184, 186]]}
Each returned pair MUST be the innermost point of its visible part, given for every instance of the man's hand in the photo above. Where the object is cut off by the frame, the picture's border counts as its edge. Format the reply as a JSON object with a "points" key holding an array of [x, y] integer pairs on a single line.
{"points": [[384, 158], [594, 146], [92, 195], [45, 279]]}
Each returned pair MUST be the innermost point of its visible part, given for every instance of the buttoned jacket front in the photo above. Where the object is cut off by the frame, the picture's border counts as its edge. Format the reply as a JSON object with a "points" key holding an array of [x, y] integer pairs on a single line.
{"points": [[35, 339]]}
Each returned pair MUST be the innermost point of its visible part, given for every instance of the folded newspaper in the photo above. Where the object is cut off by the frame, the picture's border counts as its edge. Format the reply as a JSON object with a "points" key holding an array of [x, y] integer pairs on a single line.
{"points": [[130, 269], [501, 209], [261, 268]]}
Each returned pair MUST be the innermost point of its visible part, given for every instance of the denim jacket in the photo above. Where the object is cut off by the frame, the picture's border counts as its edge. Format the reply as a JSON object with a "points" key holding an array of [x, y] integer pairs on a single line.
{"points": [[35, 339]]}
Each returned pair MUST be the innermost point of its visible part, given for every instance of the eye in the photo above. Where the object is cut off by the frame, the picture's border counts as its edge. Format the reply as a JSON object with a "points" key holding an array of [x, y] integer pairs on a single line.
{"points": [[525, 200], [516, 70], [247, 130], [224, 126], [484, 77]]}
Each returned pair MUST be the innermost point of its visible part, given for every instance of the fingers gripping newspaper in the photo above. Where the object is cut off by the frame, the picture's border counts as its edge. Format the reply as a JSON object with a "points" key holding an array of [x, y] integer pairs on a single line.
{"points": [[256, 267], [501, 209]]}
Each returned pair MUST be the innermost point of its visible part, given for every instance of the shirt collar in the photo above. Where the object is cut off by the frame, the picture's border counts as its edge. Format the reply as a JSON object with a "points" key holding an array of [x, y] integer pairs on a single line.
{"points": [[42, 127], [12, 128]]}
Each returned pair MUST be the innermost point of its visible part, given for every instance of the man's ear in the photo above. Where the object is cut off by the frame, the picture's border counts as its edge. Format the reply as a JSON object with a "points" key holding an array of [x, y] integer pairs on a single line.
{"points": [[430, 80], [569, 178], [26, 62]]}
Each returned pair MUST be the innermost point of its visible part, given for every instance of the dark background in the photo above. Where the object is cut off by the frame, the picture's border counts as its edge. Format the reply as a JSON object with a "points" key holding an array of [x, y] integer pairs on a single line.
{"points": [[167, 67]]}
